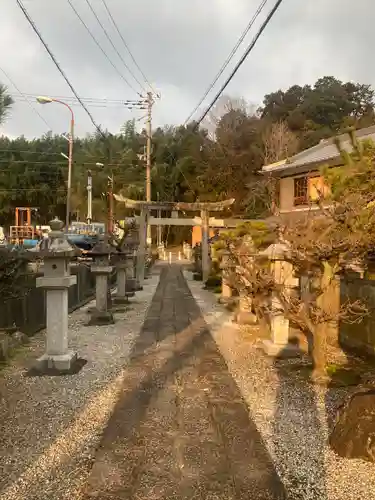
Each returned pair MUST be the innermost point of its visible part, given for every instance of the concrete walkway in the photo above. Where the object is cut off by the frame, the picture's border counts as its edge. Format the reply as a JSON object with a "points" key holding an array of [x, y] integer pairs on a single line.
{"points": [[180, 428]]}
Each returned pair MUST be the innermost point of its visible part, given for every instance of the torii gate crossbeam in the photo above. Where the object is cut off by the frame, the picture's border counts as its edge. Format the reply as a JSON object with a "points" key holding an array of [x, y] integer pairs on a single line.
{"points": [[145, 207]]}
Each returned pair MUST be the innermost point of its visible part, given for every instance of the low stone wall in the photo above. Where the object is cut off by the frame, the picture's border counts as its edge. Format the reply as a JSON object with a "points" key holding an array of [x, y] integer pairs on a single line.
{"points": [[359, 337]]}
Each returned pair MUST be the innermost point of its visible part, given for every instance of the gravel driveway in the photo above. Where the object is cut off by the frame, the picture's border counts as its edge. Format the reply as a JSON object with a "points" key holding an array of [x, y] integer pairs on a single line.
{"points": [[51, 426], [290, 414]]}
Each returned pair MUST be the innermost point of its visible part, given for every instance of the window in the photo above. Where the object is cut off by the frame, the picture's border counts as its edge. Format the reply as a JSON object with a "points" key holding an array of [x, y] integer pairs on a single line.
{"points": [[300, 191], [318, 189]]}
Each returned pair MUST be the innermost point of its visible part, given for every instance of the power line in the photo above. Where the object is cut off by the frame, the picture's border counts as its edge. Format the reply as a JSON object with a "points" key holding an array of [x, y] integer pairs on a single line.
{"points": [[241, 61], [41, 153], [56, 63], [51, 163], [88, 99], [126, 45], [46, 162], [11, 190], [101, 48], [113, 45], [90, 105], [28, 152], [26, 98], [229, 58]]}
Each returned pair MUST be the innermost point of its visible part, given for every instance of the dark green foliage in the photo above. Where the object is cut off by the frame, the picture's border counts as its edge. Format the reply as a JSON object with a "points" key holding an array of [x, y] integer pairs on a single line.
{"points": [[322, 110], [13, 274], [187, 164], [5, 103], [213, 282]]}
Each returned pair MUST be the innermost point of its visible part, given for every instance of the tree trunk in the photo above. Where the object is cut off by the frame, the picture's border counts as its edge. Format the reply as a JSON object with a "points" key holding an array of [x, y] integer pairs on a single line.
{"points": [[322, 329], [319, 353]]}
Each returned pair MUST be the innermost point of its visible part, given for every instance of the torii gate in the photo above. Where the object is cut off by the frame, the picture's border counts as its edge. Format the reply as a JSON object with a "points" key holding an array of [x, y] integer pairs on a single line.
{"points": [[145, 207]]}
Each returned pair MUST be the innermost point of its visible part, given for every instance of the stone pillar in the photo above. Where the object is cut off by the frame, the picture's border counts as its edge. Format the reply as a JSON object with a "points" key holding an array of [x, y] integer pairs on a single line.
{"points": [[198, 259], [283, 274], [141, 253], [121, 269], [56, 252], [188, 252], [148, 262], [226, 290], [130, 287], [135, 271], [205, 245], [245, 314], [101, 315], [161, 251]]}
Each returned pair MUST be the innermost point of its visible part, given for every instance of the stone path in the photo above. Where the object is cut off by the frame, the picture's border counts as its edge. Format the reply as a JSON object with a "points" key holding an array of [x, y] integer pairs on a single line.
{"points": [[180, 429]]}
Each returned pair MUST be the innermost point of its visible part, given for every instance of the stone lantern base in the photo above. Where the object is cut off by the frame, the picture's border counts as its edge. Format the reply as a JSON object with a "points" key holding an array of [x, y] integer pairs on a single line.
{"points": [[62, 363], [280, 350], [246, 318], [99, 318], [121, 300]]}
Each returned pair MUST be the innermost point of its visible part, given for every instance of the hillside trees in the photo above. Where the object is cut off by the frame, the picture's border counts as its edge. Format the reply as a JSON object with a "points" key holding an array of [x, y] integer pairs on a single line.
{"points": [[5, 103], [210, 163], [322, 110]]}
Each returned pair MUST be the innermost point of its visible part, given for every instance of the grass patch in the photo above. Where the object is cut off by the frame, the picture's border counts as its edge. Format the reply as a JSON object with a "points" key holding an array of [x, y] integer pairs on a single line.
{"points": [[337, 375]]}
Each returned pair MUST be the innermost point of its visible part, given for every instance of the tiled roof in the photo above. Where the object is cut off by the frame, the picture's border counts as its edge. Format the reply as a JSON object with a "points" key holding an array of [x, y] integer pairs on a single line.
{"points": [[322, 152]]}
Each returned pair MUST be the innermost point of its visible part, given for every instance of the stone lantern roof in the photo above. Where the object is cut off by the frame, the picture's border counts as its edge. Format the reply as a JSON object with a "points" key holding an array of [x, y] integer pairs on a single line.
{"points": [[57, 244], [276, 251], [102, 248]]}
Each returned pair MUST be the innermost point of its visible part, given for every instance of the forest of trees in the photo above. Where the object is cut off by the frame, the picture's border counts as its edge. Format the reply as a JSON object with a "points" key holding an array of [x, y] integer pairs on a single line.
{"points": [[214, 162]]}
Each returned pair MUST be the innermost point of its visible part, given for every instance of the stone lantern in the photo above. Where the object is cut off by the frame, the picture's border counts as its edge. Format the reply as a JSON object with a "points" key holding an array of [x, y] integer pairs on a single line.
{"points": [[56, 253], [283, 275], [101, 268]]}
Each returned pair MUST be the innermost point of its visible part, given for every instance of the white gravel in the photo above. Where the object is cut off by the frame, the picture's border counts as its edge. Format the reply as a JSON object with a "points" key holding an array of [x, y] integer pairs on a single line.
{"points": [[51, 426], [291, 416]]}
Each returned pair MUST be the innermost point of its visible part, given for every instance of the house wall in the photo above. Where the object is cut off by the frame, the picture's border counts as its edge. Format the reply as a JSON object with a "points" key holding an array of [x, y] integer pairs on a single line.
{"points": [[286, 193]]}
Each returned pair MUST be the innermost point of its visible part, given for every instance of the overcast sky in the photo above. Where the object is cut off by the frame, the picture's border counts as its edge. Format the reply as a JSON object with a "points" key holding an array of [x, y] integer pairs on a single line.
{"points": [[180, 45]]}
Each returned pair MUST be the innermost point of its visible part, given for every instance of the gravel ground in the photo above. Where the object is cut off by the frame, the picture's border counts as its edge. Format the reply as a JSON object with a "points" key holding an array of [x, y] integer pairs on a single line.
{"points": [[51, 426], [290, 414]]}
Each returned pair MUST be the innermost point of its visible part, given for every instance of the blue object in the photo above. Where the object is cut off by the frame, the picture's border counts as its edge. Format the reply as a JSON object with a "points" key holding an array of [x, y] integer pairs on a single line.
{"points": [[82, 241], [30, 243]]}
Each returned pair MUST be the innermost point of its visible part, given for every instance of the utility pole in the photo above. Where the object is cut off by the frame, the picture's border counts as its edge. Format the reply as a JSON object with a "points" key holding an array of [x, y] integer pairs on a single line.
{"points": [[158, 228], [146, 103], [89, 197], [110, 206], [150, 102]]}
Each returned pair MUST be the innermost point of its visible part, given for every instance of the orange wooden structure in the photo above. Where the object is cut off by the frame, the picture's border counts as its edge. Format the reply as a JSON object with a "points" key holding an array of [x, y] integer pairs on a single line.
{"points": [[196, 235], [22, 230]]}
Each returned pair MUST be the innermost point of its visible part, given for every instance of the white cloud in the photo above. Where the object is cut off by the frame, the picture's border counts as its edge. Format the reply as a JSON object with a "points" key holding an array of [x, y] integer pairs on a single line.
{"points": [[180, 44]]}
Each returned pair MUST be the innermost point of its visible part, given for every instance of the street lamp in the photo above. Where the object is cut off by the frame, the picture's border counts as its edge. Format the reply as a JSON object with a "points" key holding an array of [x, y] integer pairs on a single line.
{"points": [[47, 100]]}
